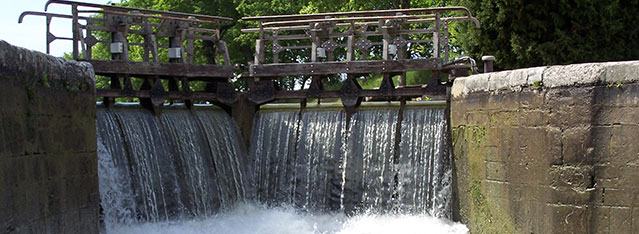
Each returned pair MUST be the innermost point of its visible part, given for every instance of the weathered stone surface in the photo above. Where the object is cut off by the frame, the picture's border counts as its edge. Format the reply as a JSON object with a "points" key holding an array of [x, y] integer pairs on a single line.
{"points": [[611, 73], [48, 162], [575, 74], [557, 154]]}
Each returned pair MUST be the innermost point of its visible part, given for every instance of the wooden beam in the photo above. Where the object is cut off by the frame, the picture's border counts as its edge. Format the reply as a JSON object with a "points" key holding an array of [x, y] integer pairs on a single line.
{"points": [[176, 95], [359, 13], [107, 68], [352, 67]]}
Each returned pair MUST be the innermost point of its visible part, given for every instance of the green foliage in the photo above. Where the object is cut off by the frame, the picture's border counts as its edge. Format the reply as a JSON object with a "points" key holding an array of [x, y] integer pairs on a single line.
{"points": [[412, 78], [533, 33], [241, 45]]}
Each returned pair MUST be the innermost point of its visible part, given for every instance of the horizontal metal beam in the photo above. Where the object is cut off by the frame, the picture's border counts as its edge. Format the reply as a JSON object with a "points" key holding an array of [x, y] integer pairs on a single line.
{"points": [[118, 93], [142, 69], [433, 93], [362, 13], [352, 67], [144, 11]]}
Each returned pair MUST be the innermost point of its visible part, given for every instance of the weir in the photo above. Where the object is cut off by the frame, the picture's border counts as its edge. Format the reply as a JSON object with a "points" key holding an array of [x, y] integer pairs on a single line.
{"points": [[170, 167], [186, 164], [536, 150], [185, 160]]}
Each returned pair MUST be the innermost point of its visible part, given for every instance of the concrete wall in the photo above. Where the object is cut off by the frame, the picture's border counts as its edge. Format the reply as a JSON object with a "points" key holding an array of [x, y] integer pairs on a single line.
{"points": [[549, 149], [48, 162]]}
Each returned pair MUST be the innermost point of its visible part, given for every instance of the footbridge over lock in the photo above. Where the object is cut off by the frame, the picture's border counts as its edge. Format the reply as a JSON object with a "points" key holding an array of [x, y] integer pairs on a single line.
{"points": [[347, 45]]}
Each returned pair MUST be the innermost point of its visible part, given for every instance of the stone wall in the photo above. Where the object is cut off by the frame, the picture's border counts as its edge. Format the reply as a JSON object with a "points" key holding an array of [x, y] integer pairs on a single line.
{"points": [[48, 162], [548, 149]]}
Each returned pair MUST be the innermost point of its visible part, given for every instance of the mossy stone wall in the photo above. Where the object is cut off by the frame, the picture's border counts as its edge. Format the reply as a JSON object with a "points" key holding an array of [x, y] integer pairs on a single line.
{"points": [[548, 150], [48, 162]]}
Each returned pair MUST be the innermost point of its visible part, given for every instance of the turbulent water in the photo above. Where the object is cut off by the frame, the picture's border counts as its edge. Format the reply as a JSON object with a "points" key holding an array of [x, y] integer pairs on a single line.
{"points": [[251, 219], [381, 170], [382, 159]]}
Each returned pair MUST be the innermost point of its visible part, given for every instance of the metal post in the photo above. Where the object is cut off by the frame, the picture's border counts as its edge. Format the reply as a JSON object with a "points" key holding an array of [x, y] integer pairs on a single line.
{"points": [[76, 28], [488, 63]]}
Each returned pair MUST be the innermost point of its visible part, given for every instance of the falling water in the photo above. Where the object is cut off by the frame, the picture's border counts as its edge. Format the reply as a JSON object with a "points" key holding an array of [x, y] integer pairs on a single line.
{"points": [[368, 175], [297, 157], [424, 174], [379, 160], [380, 170], [170, 167], [273, 170]]}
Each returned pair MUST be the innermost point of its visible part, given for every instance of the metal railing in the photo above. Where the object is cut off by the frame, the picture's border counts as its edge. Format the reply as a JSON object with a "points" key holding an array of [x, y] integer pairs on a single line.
{"points": [[166, 43], [394, 32], [391, 42]]}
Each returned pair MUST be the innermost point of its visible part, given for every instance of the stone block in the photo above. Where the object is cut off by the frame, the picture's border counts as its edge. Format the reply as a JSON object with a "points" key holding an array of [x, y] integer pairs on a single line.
{"points": [[621, 72], [628, 176], [518, 79], [569, 219], [534, 76], [504, 118], [477, 101], [621, 220], [496, 171], [532, 193], [617, 116], [601, 219], [477, 83], [14, 127], [577, 145], [532, 99], [499, 81], [530, 217], [492, 138], [534, 118], [617, 197], [567, 116], [459, 89], [618, 95], [526, 173], [493, 154], [579, 178], [477, 118], [575, 74], [623, 147], [570, 196]]}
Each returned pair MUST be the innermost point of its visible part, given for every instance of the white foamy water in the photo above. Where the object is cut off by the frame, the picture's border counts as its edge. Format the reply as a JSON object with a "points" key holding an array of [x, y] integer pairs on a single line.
{"points": [[257, 219]]}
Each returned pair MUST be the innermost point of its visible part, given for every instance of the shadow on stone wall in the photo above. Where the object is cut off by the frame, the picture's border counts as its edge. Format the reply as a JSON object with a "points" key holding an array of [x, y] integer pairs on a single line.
{"points": [[548, 149], [48, 162]]}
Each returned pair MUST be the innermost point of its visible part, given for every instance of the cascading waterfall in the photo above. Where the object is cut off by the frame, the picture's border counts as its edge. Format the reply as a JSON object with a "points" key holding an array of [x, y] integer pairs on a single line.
{"points": [[272, 173], [381, 170], [368, 173], [317, 159], [168, 167], [362, 167], [424, 174]]}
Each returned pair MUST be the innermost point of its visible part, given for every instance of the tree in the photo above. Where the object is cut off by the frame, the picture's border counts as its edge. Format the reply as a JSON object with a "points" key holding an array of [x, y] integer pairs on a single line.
{"points": [[523, 33], [241, 45]]}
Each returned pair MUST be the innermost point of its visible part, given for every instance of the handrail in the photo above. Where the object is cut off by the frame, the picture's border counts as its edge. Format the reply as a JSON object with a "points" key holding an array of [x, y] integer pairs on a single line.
{"points": [[127, 9], [345, 19], [362, 13], [23, 14]]}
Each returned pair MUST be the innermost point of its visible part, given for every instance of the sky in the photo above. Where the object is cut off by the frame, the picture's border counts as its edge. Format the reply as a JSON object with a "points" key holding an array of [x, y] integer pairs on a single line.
{"points": [[31, 33]]}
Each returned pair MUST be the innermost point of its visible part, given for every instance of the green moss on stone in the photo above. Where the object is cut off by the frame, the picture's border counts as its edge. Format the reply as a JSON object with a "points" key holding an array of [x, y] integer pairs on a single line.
{"points": [[537, 84], [30, 91], [485, 214], [478, 134], [44, 79]]}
